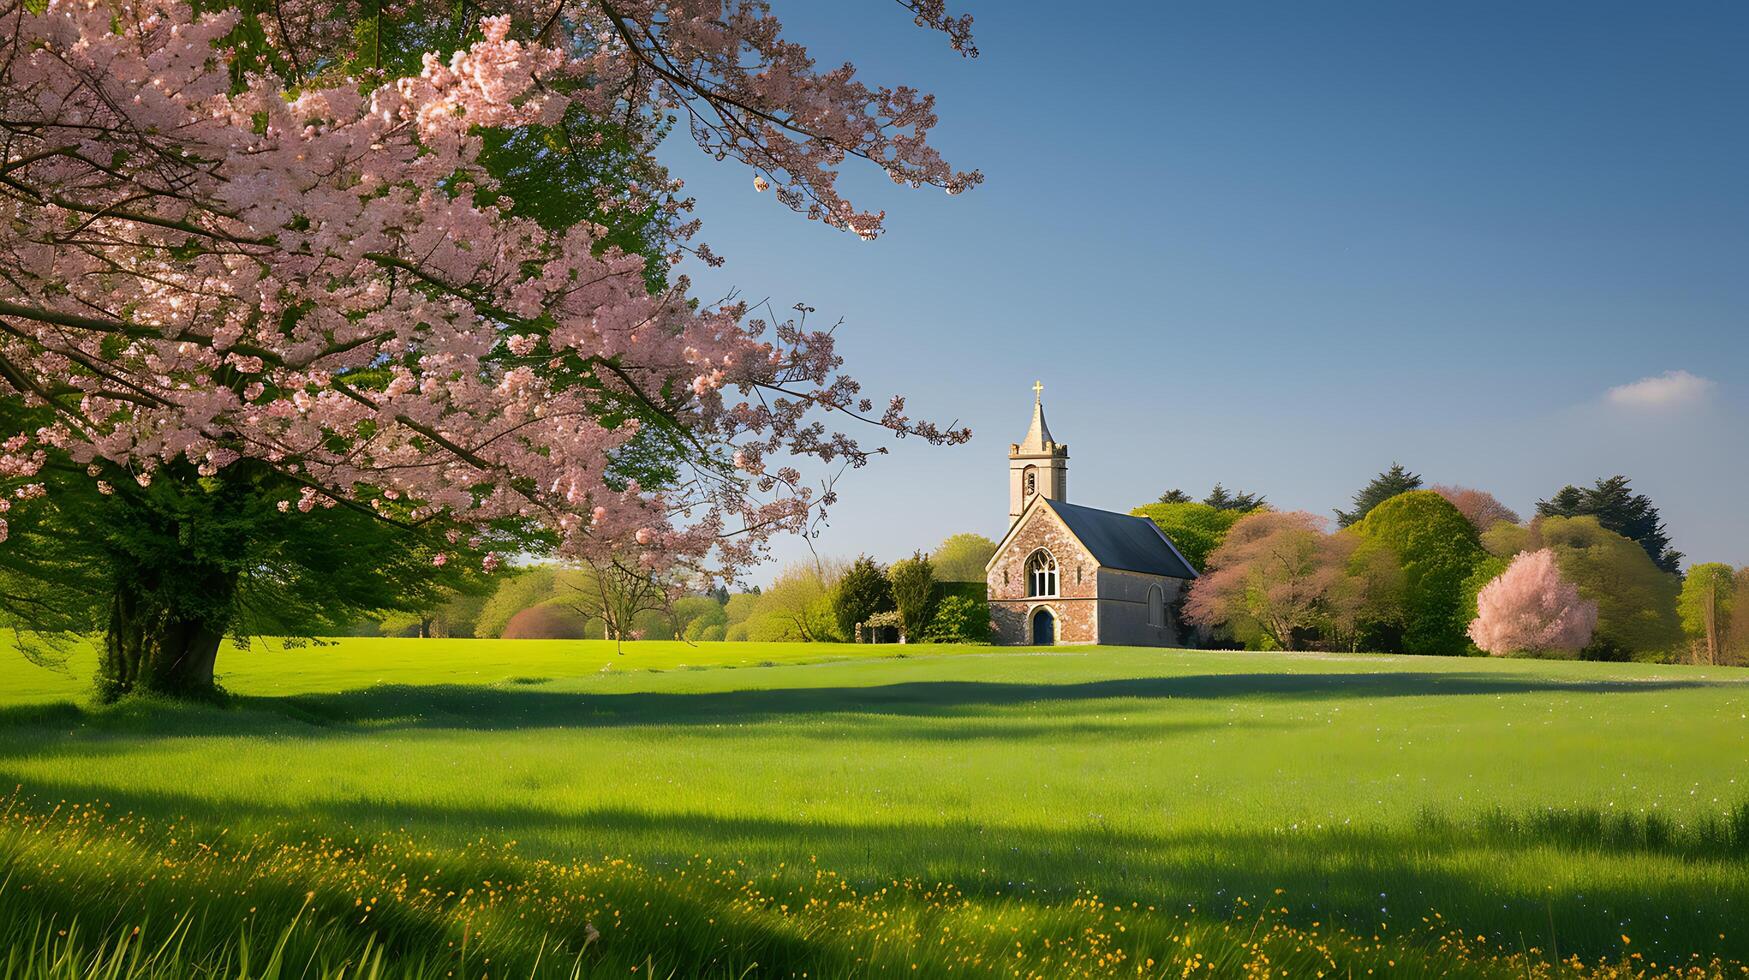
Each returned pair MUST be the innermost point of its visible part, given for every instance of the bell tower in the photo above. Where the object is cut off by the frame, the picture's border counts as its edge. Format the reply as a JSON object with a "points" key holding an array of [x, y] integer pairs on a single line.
{"points": [[1038, 466]]}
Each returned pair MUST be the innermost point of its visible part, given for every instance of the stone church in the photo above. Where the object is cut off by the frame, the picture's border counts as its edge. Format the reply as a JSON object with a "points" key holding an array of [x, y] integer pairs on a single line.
{"points": [[1070, 574]]}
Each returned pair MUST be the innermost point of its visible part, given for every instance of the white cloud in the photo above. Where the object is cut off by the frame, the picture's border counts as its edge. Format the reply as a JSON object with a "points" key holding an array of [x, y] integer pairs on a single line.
{"points": [[1671, 389]]}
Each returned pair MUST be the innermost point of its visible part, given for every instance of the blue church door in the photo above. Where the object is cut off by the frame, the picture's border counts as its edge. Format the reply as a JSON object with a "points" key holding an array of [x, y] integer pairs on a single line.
{"points": [[1044, 628]]}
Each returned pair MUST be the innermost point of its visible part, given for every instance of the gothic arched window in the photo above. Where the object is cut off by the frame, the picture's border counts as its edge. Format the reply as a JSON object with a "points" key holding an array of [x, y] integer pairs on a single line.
{"points": [[1031, 481], [1156, 607], [1041, 574]]}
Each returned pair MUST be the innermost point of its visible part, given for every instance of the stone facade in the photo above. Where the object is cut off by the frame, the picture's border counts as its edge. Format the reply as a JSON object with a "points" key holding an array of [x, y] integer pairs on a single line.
{"points": [[1076, 604], [1091, 604]]}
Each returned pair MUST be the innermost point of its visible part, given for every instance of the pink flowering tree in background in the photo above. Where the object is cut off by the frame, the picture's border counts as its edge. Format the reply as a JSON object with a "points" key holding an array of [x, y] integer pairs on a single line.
{"points": [[1530, 609], [1479, 507], [308, 259], [1272, 578]]}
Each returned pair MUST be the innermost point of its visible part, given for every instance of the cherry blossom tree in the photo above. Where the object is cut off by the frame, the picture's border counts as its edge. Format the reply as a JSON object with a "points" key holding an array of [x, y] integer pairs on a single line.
{"points": [[278, 245], [1531, 609]]}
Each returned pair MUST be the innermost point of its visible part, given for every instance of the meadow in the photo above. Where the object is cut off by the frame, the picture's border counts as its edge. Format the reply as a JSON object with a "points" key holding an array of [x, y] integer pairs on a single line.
{"points": [[530, 808]]}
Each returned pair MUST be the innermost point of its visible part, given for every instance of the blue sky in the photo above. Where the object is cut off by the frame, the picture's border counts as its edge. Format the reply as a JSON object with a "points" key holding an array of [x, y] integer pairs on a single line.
{"points": [[1281, 245]]}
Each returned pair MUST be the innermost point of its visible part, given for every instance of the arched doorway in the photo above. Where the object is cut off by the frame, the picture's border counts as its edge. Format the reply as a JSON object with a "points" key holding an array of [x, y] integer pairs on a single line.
{"points": [[1044, 627]]}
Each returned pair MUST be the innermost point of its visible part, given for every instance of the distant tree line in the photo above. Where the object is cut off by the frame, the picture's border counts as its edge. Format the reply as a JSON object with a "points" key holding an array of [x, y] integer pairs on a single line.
{"points": [[935, 597], [1406, 567], [1451, 570]]}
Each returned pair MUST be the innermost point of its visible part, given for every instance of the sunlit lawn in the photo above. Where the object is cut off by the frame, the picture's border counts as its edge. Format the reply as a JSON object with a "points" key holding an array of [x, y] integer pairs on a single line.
{"points": [[1522, 805]]}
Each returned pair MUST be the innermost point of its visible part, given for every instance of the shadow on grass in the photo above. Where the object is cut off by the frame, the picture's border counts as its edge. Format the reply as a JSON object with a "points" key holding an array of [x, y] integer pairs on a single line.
{"points": [[1366, 879], [469, 707]]}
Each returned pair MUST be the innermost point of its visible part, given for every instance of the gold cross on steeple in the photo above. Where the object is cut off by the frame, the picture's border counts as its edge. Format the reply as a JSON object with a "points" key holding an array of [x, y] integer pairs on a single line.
{"points": [[1038, 390]]}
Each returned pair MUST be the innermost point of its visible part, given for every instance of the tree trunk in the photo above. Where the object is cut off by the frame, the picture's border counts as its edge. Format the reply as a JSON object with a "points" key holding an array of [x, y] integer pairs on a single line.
{"points": [[1712, 625], [153, 649]]}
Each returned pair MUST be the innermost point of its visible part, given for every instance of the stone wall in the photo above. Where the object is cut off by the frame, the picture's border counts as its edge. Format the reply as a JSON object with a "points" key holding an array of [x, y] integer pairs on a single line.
{"points": [[1123, 609], [1076, 604]]}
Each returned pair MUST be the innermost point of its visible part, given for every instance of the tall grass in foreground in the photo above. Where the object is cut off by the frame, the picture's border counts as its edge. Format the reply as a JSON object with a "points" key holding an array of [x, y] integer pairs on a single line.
{"points": [[1710, 836], [88, 893]]}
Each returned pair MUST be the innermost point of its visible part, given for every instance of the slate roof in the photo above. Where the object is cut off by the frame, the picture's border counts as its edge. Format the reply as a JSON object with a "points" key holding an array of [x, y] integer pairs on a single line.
{"points": [[1132, 544]]}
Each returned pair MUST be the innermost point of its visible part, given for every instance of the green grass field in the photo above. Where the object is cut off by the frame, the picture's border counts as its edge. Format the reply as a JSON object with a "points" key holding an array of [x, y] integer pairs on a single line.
{"points": [[428, 806]]}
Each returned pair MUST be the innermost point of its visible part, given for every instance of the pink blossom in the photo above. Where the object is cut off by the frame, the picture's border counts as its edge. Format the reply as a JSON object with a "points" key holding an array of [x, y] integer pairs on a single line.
{"points": [[167, 228], [440, 559], [1531, 609]]}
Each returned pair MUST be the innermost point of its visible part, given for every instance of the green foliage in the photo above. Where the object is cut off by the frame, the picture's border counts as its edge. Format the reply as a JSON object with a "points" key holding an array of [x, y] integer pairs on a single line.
{"points": [[701, 632], [520, 589], [700, 618], [797, 606], [1369, 604], [1487, 570], [962, 557], [653, 624], [861, 592], [456, 616], [975, 591], [168, 568], [1736, 649], [1708, 609], [1383, 487], [1220, 498], [1196, 529], [1617, 508], [1636, 600], [739, 606], [563, 174], [959, 619], [1505, 540], [913, 581], [1705, 604], [1439, 550]]}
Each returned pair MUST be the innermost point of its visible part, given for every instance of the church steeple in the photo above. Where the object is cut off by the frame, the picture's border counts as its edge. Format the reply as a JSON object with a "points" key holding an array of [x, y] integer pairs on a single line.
{"points": [[1038, 465], [1037, 434]]}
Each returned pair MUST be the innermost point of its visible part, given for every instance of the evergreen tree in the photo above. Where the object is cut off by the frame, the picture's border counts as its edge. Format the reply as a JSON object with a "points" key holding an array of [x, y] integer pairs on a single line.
{"points": [[1220, 498], [1616, 507], [1174, 496], [1383, 487], [862, 592]]}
